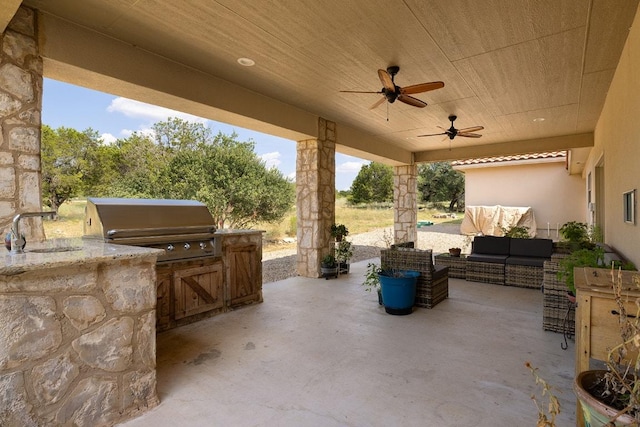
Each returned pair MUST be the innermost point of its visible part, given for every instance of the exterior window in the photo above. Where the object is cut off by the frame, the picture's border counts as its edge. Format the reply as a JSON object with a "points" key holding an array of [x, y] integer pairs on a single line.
{"points": [[629, 202]]}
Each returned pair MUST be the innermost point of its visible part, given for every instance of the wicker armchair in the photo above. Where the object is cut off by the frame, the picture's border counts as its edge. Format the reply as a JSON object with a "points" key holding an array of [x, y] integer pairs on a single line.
{"points": [[433, 282]]}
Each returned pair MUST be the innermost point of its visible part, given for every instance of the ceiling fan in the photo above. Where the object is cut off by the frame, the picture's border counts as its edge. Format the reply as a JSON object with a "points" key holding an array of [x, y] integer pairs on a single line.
{"points": [[390, 91], [453, 132]]}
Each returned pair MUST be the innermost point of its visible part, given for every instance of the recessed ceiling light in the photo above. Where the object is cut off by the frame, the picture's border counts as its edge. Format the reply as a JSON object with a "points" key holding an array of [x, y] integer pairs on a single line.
{"points": [[247, 62], [539, 119]]}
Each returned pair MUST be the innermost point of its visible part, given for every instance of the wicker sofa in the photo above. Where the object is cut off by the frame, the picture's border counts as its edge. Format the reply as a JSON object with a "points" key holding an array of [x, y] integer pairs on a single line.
{"points": [[433, 283], [507, 261]]}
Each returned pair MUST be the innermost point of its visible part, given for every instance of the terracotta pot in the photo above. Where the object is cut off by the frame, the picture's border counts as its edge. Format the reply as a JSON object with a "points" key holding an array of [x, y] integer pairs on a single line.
{"points": [[455, 252], [596, 413]]}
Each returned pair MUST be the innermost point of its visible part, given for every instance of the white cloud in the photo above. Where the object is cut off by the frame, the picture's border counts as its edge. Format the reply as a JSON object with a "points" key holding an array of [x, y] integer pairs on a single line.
{"points": [[350, 167], [153, 113], [107, 138], [271, 160], [292, 177]]}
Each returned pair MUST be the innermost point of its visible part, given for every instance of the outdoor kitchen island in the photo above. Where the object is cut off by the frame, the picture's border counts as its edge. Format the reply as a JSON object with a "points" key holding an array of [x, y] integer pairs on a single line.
{"points": [[79, 322], [78, 333]]}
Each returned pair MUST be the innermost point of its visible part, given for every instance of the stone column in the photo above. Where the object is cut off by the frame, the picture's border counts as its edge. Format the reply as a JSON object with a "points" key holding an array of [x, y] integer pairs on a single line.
{"points": [[315, 198], [405, 203], [20, 108]]}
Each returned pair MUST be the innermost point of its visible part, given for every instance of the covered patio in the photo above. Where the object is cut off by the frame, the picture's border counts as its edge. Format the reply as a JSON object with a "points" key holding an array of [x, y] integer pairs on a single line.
{"points": [[324, 353]]}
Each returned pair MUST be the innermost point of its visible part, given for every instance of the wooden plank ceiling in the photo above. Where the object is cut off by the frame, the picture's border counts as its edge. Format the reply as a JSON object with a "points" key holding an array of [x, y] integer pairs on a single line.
{"points": [[504, 62]]}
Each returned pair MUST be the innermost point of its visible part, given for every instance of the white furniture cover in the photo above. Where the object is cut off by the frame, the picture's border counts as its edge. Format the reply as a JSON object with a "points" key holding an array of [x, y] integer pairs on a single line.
{"points": [[488, 220]]}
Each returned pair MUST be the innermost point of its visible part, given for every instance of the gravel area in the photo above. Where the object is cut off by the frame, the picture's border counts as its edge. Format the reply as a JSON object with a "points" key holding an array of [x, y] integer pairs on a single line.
{"points": [[281, 264]]}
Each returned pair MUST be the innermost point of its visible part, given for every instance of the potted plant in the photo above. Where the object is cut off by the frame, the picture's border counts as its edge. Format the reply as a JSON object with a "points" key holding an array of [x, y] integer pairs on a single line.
{"points": [[329, 266], [580, 258], [611, 397], [339, 231], [397, 288], [455, 252], [372, 280], [344, 252], [575, 236]]}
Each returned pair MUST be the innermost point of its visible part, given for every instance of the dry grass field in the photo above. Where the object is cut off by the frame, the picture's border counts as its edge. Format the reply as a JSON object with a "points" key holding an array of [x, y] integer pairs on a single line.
{"points": [[357, 220]]}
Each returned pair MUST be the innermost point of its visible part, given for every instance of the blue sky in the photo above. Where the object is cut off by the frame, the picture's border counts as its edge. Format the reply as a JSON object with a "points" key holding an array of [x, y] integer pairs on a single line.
{"points": [[115, 117]]}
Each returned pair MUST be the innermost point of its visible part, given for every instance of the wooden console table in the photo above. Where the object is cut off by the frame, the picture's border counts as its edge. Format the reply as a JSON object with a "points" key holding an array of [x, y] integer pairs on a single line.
{"points": [[597, 327]]}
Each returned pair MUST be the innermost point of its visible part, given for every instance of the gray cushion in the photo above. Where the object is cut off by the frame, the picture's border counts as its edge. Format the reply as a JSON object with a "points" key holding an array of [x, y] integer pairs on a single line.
{"points": [[527, 260], [491, 245], [494, 259], [542, 248]]}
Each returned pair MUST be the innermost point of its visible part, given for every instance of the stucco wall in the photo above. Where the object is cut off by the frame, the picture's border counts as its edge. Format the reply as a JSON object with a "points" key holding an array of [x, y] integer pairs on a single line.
{"points": [[555, 196], [617, 145]]}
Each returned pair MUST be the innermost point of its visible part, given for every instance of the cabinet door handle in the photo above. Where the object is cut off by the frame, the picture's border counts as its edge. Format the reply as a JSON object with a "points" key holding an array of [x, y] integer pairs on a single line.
{"points": [[617, 313]]}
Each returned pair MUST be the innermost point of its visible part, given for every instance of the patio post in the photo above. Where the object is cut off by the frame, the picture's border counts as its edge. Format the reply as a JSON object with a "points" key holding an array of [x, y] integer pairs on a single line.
{"points": [[315, 198], [20, 119], [405, 204]]}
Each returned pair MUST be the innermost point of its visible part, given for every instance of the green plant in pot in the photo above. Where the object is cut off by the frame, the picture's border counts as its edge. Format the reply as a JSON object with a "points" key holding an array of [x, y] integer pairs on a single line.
{"points": [[397, 287], [516, 232], [344, 252], [372, 280], [575, 235], [329, 266], [580, 258], [611, 397], [339, 231]]}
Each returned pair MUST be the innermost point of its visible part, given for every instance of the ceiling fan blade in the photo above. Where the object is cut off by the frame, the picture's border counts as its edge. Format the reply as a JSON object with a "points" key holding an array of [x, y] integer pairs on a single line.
{"points": [[471, 129], [386, 80], [378, 102], [359, 91], [412, 101], [436, 134], [469, 135], [422, 87]]}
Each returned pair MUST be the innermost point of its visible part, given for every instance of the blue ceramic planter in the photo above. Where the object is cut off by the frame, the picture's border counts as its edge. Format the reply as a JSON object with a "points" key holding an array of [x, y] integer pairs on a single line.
{"points": [[398, 291]]}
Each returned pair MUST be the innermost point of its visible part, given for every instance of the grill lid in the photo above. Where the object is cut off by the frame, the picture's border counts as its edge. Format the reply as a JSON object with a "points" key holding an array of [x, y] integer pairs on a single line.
{"points": [[120, 218]]}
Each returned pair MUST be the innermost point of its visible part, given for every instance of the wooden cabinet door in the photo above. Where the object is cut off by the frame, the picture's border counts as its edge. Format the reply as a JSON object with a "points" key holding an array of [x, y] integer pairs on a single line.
{"points": [[244, 274], [164, 305], [198, 289]]}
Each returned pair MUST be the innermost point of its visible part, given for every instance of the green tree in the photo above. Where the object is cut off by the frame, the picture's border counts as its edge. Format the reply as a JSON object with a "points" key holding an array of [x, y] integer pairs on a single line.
{"points": [[231, 180], [68, 162], [374, 183], [438, 182]]}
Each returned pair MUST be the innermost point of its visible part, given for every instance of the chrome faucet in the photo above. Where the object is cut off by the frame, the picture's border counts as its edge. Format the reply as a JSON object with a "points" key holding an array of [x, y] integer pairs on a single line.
{"points": [[18, 241]]}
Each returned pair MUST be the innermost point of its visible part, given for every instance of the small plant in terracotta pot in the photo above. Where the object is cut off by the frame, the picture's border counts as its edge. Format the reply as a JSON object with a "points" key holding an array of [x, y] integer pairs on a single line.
{"points": [[455, 251]]}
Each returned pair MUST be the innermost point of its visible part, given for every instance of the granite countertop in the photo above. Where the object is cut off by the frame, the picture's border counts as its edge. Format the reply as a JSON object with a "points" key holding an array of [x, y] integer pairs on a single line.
{"points": [[67, 252]]}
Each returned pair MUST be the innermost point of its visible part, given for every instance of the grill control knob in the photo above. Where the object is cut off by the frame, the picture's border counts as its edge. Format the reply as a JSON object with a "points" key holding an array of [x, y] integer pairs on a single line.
{"points": [[203, 245], [187, 246], [169, 247]]}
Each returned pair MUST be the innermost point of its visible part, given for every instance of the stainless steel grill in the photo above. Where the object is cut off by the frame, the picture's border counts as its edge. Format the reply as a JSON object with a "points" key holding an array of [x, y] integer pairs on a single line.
{"points": [[183, 228]]}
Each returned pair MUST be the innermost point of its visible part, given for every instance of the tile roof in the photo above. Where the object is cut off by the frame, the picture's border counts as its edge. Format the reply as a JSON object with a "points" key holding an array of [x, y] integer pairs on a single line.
{"points": [[518, 157]]}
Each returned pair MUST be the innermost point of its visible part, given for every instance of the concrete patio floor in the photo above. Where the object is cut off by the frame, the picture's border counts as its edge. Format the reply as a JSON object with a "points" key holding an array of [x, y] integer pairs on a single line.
{"points": [[324, 353]]}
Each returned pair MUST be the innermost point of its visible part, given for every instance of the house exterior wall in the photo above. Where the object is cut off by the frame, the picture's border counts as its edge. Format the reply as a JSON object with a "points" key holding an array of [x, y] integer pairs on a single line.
{"points": [[617, 148], [555, 196]]}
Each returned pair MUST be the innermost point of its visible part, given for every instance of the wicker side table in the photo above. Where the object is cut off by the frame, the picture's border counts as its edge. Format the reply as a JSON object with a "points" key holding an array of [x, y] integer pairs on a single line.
{"points": [[457, 265]]}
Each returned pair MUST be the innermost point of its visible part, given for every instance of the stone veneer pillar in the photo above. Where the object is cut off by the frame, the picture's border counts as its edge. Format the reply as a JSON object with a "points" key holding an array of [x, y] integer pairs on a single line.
{"points": [[405, 217], [20, 108], [315, 197]]}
